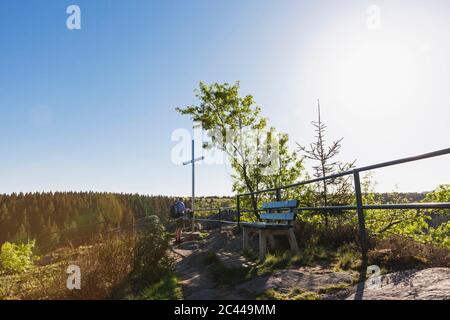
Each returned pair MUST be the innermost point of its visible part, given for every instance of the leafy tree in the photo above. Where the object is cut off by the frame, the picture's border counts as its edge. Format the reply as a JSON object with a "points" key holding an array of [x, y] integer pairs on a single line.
{"points": [[441, 233], [441, 194], [337, 191], [289, 169], [410, 223], [237, 128]]}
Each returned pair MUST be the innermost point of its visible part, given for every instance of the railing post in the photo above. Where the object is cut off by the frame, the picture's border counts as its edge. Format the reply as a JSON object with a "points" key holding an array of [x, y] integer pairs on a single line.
{"points": [[220, 219], [361, 218], [238, 208], [278, 194]]}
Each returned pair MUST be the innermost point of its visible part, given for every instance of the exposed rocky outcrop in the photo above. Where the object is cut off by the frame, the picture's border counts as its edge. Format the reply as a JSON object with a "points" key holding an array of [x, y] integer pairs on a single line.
{"points": [[307, 278], [197, 283], [427, 284]]}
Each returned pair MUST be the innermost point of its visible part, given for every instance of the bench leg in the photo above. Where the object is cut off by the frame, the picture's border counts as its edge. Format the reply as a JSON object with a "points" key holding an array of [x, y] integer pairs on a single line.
{"points": [[293, 242], [262, 244], [245, 238]]}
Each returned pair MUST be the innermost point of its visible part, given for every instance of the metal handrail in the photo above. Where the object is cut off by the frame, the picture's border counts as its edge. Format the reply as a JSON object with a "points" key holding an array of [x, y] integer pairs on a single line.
{"points": [[361, 169], [359, 207], [213, 209]]}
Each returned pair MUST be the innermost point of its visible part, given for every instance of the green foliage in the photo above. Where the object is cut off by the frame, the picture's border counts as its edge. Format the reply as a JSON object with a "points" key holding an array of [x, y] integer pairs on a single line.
{"points": [[333, 288], [441, 194], [150, 259], [210, 258], [337, 191], [308, 295], [225, 275], [258, 155], [277, 261], [440, 235], [394, 253], [16, 258], [348, 257], [167, 288], [294, 294], [413, 224], [308, 256], [117, 266]]}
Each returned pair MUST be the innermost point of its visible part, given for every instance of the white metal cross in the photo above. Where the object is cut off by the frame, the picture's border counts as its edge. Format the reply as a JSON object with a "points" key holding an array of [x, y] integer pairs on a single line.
{"points": [[193, 161]]}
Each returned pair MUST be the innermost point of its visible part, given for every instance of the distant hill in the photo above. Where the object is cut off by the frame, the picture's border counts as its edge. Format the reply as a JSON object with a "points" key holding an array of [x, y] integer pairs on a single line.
{"points": [[388, 197]]}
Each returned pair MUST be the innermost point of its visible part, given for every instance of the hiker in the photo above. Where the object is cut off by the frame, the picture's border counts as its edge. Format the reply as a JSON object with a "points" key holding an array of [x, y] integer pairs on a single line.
{"points": [[177, 212]]}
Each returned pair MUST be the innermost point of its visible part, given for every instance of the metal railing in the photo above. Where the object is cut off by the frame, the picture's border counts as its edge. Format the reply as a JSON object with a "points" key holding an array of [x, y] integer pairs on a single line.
{"points": [[359, 207], [220, 212]]}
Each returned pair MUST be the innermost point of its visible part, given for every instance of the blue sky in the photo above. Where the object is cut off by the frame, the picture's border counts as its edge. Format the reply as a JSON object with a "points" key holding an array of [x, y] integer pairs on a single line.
{"points": [[93, 109]]}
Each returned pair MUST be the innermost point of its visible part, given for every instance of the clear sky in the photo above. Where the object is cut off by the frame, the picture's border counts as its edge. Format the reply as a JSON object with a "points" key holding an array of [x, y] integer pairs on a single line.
{"points": [[93, 109]]}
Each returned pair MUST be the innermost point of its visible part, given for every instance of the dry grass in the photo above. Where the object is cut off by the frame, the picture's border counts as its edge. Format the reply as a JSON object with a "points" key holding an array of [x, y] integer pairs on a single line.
{"points": [[391, 253], [396, 253], [109, 268], [104, 266], [294, 294]]}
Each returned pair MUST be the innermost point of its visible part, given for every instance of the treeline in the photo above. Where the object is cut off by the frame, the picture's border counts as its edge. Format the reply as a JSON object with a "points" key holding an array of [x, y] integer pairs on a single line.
{"points": [[72, 217], [388, 197]]}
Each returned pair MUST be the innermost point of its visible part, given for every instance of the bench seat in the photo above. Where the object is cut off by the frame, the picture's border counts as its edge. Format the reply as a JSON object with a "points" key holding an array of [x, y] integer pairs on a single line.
{"points": [[278, 218], [266, 225]]}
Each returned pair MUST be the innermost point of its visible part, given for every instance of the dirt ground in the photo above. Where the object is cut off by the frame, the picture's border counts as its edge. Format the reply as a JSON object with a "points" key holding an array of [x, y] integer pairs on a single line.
{"points": [[198, 283]]}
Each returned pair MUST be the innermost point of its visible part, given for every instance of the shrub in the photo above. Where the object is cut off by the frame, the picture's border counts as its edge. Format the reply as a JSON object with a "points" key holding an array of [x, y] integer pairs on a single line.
{"points": [[398, 253], [210, 257], [294, 294], [16, 258], [348, 257], [165, 289], [311, 233], [150, 255], [116, 265], [225, 275], [333, 288]]}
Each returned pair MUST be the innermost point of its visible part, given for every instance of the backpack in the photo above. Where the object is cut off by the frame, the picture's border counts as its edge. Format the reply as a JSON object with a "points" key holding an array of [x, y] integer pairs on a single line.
{"points": [[173, 212]]}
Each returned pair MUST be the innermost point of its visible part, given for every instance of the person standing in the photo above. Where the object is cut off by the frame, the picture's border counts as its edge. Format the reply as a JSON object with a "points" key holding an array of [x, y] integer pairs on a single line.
{"points": [[180, 210]]}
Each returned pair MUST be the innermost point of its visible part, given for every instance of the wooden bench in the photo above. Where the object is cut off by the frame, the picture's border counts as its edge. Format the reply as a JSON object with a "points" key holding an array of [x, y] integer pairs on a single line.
{"points": [[276, 220]]}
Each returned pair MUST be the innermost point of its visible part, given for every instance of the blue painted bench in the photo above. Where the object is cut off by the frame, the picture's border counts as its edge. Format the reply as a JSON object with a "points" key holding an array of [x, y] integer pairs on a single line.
{"points": [[276, 219]]}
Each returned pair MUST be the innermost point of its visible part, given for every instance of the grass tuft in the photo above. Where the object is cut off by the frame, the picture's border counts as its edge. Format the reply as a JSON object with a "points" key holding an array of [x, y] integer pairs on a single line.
{"points": [[294, 294], [333, 288], [166, 289]]}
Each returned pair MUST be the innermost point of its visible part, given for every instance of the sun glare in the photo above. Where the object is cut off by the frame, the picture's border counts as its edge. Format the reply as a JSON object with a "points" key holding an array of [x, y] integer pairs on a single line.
{"points": [[378, 74]]}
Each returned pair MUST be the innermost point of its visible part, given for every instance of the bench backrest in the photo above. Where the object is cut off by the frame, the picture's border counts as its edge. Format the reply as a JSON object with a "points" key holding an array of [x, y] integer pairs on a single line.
{"points": [[280, 210]]}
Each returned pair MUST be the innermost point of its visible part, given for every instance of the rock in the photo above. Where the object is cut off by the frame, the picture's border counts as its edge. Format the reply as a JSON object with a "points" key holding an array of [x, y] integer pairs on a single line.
{"points": [[427, 284], [188, 246], [234, 260], [192, 236], [195, 281], [284, 281], [205, 294]]}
